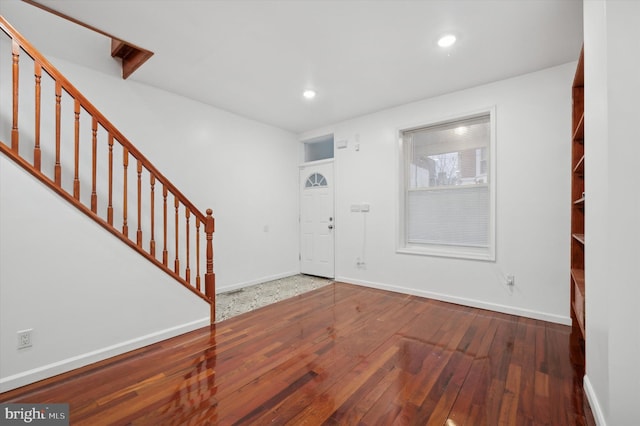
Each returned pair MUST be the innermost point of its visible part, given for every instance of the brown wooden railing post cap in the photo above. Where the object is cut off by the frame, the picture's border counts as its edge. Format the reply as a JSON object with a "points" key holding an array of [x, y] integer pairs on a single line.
{"points": [[209, 212]]}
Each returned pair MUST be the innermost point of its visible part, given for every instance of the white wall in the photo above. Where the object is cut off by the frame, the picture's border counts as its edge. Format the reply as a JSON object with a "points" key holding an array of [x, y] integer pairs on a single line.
{"points": [[533, 158], [612, 90], [246, 171], [86, 295]]}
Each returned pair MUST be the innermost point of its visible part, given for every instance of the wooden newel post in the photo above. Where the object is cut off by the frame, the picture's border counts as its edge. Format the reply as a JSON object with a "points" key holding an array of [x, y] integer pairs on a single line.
{"points": [[209, 276]]}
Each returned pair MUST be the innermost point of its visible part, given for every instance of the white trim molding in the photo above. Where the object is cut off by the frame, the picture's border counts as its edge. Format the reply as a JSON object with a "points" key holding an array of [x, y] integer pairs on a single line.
{"points": [[527, 313], [596, 409], [403, 245], [65, 365]]}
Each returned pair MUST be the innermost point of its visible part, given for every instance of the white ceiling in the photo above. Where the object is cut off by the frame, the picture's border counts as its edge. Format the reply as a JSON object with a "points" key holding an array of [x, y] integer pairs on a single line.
{"points": [[254, 58]]}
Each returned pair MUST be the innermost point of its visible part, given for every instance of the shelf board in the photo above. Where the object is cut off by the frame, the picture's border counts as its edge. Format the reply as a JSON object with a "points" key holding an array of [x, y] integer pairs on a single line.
{"points": [[579, 168], [577, 186], [580, 318], [578, 134], [578, 277]]}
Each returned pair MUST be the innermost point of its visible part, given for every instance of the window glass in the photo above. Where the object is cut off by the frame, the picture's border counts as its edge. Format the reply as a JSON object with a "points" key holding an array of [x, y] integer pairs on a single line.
{"points": [[315, 180], [447, 200]]}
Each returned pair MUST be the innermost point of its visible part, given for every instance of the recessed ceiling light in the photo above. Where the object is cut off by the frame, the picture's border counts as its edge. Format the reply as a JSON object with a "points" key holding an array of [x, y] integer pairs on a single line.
{"points": [[309, 94], [447, 40]]}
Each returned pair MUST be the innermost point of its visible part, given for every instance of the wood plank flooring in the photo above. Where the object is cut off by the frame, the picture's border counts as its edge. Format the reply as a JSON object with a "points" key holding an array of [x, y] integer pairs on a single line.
{"points": [[339, 355]]}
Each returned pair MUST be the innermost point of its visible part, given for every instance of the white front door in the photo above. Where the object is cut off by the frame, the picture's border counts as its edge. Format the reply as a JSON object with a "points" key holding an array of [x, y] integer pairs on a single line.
{"points": [[317, 220]]}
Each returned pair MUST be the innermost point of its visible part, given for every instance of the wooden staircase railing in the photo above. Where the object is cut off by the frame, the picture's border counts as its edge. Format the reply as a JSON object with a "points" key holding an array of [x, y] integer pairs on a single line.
{"points": [[91, 155]]}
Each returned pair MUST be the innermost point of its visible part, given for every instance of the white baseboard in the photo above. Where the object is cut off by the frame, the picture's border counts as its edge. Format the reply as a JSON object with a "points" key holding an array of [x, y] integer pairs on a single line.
{"points": [[59, 367], [596, 409], [244, 284], [528, 313]]}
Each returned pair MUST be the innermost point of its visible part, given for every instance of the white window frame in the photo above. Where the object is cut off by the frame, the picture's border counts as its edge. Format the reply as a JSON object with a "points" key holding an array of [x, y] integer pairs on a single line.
{"points": [[462, 252]]}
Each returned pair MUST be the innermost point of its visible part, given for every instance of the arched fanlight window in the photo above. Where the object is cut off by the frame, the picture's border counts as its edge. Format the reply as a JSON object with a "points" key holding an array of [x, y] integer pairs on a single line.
{"points": [[315, 180]]}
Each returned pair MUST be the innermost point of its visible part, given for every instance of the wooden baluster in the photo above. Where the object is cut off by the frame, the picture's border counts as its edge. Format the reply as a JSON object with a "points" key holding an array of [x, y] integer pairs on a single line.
{"points": [[198, 253], [139, 232], [187, 213], [37, 154], [176, 264], [58, 169], [125, 163], [165, 253], [209, 277], [110, 206], [15, 53], [152, 242], [76, 166], [94, 165]]}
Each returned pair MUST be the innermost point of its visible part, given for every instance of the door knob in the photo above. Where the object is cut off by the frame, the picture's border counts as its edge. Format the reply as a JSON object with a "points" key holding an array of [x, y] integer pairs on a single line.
{"points": [[330, 226]]}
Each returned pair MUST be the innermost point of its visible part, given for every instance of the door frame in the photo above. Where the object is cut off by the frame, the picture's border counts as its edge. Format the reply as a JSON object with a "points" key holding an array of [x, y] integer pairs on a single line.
{"points": [[333, 190]]}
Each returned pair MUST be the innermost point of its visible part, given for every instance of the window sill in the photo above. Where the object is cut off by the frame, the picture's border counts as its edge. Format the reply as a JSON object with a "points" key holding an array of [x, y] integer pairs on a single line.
{"points": [[470, 253]]}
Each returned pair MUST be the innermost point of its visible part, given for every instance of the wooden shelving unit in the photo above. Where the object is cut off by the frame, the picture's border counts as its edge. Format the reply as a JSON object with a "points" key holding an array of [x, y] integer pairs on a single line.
{"points": [[578, 200]]}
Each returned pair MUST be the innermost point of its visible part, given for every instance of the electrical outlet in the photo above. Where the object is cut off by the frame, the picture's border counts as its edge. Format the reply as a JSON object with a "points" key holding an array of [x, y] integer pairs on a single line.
{"points": [[24, 339], [511, 280]]}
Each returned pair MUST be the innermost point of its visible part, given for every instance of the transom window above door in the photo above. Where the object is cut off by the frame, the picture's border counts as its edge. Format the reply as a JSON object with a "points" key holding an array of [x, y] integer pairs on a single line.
{"points": [[315, 180]]}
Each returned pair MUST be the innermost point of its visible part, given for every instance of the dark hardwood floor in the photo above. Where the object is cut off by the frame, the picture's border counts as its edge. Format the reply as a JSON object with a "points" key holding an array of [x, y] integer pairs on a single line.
{"points": [[338, 355]]}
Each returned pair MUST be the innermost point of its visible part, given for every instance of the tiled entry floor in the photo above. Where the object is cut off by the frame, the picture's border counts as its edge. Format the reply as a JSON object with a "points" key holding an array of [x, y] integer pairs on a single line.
{"points": [[237, 302]]}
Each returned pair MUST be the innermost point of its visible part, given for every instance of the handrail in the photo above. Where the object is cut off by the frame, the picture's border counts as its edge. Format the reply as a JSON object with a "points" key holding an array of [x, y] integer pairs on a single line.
{"points": [[180, 203], [88, 106]]}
